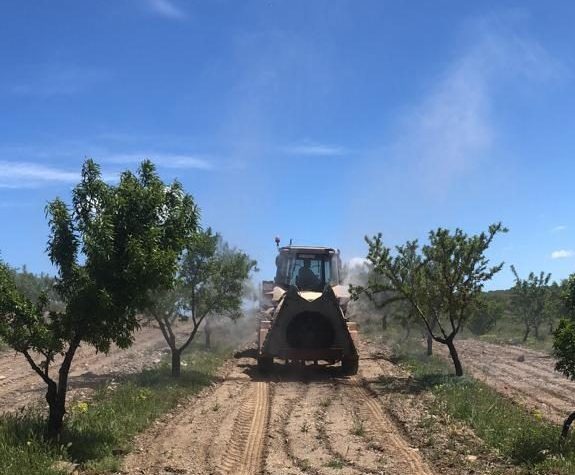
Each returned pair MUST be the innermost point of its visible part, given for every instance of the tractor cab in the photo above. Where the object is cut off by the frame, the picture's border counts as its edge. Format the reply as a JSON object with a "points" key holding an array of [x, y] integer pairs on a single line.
{"points": [[307, 268]]}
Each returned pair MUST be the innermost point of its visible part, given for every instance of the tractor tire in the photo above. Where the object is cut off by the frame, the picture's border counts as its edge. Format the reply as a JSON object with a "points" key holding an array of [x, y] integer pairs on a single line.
{"points": [[265, 364], [349, 366]]}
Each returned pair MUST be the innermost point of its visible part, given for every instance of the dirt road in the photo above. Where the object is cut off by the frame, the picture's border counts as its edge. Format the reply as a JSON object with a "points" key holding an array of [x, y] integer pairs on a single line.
{"points": [[527, 376], [310, 421], [19, 385]]}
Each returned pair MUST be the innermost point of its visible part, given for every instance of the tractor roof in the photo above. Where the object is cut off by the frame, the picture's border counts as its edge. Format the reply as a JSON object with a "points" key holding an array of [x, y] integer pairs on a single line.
{"points": [[316, 249]]}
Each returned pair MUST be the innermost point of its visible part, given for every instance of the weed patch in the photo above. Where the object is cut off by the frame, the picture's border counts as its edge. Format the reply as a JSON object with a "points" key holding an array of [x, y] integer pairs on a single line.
{"points": [[101, 429], [358, 428], [515, 432], [335, 463]]}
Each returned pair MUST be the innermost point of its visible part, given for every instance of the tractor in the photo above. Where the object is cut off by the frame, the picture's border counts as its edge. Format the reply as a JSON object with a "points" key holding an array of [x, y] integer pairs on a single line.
{"points": [[303, 311]]}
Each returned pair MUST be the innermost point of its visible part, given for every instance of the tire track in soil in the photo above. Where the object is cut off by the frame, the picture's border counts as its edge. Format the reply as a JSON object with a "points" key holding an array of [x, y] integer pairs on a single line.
{"points": [[244, 454], [205, 426], [306, 444], [297, 422], [188, 439], [384, 432], [279, 454], [380, 426], [342, 411]]}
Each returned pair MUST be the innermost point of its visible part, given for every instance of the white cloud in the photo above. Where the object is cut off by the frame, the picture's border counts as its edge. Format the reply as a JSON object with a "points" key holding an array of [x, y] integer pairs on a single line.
{"points": [[27, 174], [451, 131], [318, 150], [24, 166], [166, 9], [559, 228], [562, 254], [177, 161], [16, 174]]}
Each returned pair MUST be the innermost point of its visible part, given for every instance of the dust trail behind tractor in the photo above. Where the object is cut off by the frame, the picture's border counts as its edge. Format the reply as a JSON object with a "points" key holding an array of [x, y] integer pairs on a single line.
{"points": [[304, 311]]}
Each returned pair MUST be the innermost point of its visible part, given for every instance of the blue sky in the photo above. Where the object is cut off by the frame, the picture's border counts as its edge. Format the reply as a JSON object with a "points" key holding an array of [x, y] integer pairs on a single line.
{"points": [[320, 121]]}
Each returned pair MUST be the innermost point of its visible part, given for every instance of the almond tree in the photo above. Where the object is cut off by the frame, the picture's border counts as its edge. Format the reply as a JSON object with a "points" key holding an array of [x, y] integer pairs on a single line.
{"points": [[111, 247], [440, 281], [529, 298], [564, 340], [484, 315], [211, 282]]}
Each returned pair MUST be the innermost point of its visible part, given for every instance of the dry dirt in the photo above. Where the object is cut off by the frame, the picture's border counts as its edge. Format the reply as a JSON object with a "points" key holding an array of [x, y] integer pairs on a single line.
{"points": [[307, 421], [526, 376], [304, 421], [20, 386]]}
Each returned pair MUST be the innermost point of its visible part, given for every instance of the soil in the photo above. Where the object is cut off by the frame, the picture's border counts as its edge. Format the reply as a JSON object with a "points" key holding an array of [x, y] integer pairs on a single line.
{"points": [[21, 386], [310, 420], [526, 376]]}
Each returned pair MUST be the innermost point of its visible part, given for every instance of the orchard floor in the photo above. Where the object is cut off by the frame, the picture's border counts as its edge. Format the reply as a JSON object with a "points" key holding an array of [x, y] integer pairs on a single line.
{"points": [[526, 376], [310, 420]]}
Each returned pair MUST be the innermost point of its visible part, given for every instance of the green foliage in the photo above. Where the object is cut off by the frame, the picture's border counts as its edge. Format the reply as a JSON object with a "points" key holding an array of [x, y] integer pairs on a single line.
{"points": [[23, 450], [567, 294], [111, 248], [214, 276], [531, 296], [564, 336], [21, 324], [212, 282], [564, 348], [484, 315], [440, 282], [335, 463], [33, 286]]}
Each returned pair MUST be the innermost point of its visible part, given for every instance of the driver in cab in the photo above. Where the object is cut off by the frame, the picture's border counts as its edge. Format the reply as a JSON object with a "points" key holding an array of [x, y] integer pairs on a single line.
{"points": [[306, 278]]}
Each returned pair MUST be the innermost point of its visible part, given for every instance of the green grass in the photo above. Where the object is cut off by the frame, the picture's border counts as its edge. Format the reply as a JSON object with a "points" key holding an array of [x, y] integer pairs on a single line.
{"points": [[98, 431], [358, 427], [513, 431], [335, 463], [509, 331]]}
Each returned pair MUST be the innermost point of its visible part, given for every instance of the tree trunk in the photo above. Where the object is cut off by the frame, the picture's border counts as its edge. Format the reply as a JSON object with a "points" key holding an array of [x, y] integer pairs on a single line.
{"points": [[526, 334], [429, 344], [384, 322], [430, 336], [208, 335], [176, 363], [536, 332], [56, 411], [454, 357], [56, 394], [407, 333]]}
